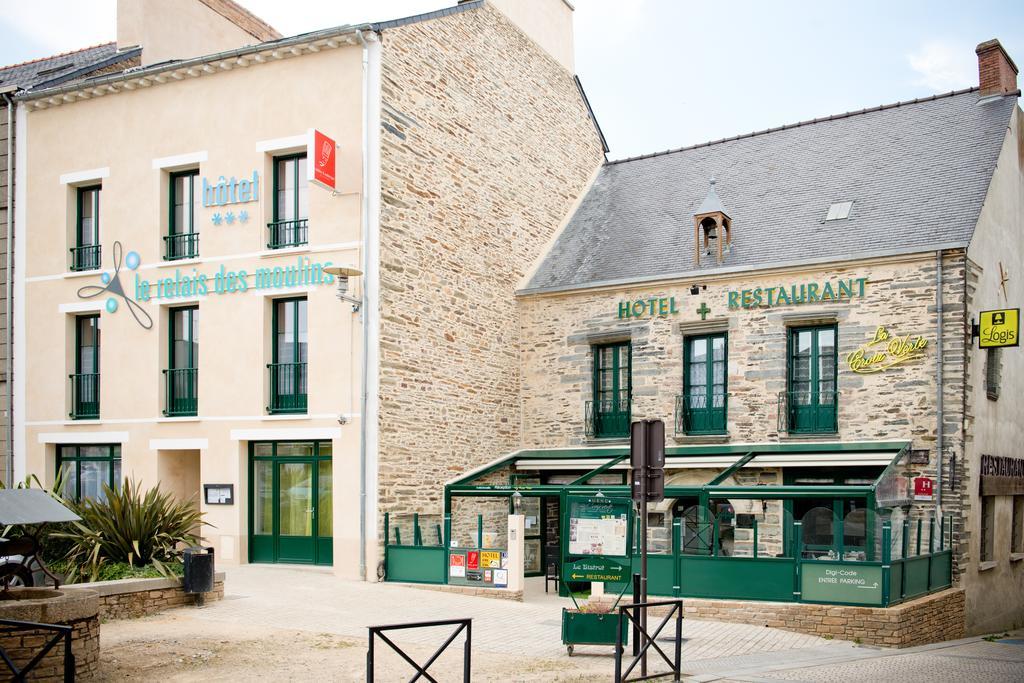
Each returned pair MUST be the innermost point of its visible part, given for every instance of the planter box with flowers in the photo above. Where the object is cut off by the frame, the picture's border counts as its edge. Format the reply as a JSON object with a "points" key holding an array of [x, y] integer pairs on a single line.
{"points": [[592, 623]]}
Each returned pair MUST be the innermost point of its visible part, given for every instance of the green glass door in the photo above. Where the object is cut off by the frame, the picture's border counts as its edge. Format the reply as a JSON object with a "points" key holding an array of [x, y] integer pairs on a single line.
{"points": [[291, 502], [295, 511]]}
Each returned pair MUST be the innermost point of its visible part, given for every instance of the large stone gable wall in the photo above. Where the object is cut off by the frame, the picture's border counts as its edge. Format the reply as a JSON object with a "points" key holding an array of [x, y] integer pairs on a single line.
{"points": [[897, 404], [486, 144]]}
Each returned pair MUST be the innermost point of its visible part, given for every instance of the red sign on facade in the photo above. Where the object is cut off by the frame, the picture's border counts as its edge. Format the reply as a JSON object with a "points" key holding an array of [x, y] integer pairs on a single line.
{"points": [[923, 488], [473, 559], [321, 158]]}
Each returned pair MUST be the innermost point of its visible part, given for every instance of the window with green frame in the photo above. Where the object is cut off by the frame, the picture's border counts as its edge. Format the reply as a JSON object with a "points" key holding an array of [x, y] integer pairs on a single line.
{"points": [[86, 468], [182, 240], [182, 375], [86, 254], [704, 399], [610, 410], [812, 395], [290, 355], [85, 382], [290, 227]]}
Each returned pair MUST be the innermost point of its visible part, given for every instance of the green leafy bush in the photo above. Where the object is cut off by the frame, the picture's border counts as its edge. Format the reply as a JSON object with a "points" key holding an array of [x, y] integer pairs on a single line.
{"points": [[130, 527], [113, 571]]}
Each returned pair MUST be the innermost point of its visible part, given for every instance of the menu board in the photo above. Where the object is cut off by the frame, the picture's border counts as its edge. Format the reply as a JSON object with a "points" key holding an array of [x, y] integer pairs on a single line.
{"points": [[599, 526]]}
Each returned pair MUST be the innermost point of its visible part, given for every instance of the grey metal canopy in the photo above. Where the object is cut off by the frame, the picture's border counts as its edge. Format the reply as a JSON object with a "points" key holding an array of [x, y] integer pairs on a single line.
{"points": [[32, 506]]}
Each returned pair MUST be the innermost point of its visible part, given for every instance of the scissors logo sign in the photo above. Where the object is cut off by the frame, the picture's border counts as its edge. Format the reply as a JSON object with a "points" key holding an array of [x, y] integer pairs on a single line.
{"points": [[112, 287]]}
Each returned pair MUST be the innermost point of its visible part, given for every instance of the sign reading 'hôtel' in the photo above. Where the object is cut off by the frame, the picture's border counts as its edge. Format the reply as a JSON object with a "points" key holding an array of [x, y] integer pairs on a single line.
{"points": [[759, 297]]}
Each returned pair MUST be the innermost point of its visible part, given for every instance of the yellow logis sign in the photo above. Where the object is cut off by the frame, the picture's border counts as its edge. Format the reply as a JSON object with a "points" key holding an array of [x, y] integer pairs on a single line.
{"points": [[999, 328], [884, 351]]}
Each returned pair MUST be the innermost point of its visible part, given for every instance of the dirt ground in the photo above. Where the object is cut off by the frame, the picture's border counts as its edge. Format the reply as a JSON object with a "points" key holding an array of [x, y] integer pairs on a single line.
{"points": [[169, 648]]}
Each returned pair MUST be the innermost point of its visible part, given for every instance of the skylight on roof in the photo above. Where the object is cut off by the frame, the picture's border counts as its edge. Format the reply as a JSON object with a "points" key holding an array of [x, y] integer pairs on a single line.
{"points": [[53, 70], [839, 211]]}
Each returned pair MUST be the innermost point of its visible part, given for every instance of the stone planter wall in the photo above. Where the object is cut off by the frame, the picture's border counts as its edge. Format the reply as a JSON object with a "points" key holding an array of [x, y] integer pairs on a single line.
{"points": [[929, 619], [78, 609], [132, 598]]}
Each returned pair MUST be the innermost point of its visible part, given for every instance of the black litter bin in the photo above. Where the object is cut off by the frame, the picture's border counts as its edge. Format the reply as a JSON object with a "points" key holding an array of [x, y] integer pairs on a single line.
{"points": [[198, 570]]}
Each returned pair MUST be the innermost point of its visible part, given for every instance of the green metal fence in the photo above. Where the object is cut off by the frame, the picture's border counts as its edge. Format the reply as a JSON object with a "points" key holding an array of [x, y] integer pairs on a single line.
{"points": [[897, 571]]}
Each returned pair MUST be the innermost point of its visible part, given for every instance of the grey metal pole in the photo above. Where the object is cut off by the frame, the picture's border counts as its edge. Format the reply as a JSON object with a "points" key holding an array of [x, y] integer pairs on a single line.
{"points": [[939, 388], [643, 555], [8, 361]]}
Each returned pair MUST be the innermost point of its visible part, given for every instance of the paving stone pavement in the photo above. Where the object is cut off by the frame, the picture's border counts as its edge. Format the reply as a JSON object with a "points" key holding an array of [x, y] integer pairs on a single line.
{"points": [[971, 659], [315, 600]]}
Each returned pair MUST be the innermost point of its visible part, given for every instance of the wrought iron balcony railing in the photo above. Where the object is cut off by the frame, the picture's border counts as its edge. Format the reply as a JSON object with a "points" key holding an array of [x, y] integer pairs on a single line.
{"points": [[182, 245], [287, 388], [808, 412], [87, 257], [607, 419], [85, 396], [695, 416], [284, 234], [182, 392]]}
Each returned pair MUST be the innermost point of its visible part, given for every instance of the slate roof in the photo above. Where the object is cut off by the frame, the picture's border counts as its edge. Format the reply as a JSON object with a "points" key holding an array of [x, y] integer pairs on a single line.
{"points": [[51, 71], [917, 173]]}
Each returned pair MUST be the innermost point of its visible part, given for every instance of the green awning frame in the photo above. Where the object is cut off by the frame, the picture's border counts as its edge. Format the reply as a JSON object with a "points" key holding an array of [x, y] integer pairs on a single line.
{"points": [[745, 454]]}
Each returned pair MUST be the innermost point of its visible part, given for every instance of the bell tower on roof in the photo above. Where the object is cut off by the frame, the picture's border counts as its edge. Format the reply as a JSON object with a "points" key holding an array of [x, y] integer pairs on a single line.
{"points": [[712, 228]]}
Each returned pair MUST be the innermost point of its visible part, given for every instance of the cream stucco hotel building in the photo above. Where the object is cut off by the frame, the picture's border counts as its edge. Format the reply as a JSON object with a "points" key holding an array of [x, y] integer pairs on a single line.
{"points": [[175, 320]]}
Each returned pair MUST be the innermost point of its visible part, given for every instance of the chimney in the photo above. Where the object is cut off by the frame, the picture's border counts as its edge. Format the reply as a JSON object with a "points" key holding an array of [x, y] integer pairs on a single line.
{"points": [[187, 28], [548, 23], [997, 74]]}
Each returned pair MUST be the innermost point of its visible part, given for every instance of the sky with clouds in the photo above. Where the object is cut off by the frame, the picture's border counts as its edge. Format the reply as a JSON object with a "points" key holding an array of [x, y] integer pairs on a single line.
{"points": [[667, 73]]}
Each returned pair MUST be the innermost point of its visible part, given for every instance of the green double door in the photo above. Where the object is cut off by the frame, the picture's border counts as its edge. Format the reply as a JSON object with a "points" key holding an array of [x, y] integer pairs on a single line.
{"points": [[291, 502]]}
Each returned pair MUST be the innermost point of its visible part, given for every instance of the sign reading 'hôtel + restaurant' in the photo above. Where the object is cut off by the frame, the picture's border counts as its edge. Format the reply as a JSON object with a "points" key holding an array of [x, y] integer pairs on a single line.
{"points": [[758, 297]]}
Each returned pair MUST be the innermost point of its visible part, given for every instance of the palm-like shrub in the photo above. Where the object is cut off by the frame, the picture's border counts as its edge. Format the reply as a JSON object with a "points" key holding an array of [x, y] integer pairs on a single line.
{"points": [[132, 527]]}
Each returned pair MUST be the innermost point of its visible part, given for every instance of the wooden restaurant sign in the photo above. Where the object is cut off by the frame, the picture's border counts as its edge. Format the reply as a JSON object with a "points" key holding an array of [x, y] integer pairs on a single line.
{"points": [[1001, 476]]}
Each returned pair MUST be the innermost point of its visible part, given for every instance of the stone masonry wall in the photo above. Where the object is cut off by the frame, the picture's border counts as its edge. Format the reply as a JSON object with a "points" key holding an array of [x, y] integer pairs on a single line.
{"points": [[486, 144], [22, 646], [899, 403], [144, 603], [930, 619], [77, 609]]}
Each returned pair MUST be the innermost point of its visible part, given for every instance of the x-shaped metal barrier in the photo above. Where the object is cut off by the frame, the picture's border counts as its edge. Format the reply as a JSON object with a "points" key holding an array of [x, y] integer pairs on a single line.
{"points": [[421, 671], [632, 613], [60, 632]]}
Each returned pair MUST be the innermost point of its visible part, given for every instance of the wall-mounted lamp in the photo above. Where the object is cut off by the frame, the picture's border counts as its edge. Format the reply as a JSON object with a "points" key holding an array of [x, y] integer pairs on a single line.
{"points": [[341, 275], [696, 289]]}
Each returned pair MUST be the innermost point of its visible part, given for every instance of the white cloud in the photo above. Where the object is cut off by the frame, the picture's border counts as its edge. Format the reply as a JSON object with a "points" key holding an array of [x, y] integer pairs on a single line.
{"points": [[943, 66], [63, 25]]}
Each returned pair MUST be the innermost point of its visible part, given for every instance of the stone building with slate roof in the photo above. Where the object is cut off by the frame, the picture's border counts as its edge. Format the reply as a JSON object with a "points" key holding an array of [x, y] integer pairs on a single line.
{"points": [[814, 283]]}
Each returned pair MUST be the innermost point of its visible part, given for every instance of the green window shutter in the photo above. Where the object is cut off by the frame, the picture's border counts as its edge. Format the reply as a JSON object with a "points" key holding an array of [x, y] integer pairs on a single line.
{"points": [[290, 200], [609, 414], [288, 370], [85, 382], [705, 384], [86, 254], [182, 239], [181, 378], [812, 396]]}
